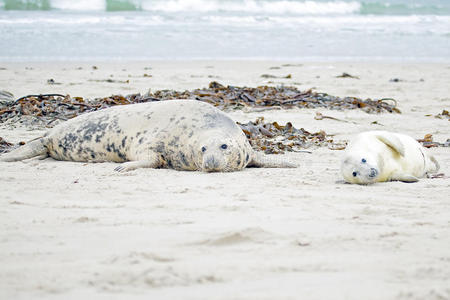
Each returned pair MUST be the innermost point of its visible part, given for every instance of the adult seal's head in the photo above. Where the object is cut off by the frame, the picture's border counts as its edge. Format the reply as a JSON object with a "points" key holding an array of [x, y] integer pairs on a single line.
{"points": [[223, 152]]}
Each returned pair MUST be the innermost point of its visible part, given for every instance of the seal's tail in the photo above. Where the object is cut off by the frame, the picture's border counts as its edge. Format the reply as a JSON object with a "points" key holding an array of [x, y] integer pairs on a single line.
{"points": [[29, 150]]}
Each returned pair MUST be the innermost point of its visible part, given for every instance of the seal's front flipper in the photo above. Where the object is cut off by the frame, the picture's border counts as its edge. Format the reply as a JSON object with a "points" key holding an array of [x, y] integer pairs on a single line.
{"points": [[150, 161], [404, 177], [133, 165], [29, 150], [273, 161], [391, 141]]}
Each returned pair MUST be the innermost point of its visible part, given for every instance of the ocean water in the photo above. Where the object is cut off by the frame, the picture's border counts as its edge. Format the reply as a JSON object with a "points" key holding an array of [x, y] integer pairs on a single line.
{"points": [[294, 30]]}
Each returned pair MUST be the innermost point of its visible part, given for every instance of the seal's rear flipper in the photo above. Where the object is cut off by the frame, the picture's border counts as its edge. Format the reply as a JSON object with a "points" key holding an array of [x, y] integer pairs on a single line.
{"points": [[404, 177], [436, 164], [273, 161], [391, 141], [29, 150]]}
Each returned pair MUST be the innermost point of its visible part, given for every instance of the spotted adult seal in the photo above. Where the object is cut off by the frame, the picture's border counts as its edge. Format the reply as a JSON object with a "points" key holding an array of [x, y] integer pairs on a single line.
{"points": [[179, 134], [377, 156]]}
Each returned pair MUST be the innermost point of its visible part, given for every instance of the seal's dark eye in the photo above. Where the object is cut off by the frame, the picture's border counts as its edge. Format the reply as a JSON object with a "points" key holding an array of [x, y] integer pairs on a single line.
{"points": [[354, 174], [203, 149], [224, 146], [363, 160]]}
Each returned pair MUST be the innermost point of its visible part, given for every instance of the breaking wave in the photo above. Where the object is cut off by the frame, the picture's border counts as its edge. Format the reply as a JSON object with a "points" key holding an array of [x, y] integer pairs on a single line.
{"points": [[294, 7]]}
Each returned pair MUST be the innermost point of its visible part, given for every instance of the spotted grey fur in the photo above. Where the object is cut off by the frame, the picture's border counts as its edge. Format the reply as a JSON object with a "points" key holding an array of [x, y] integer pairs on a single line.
{"points": [[178, 134]]}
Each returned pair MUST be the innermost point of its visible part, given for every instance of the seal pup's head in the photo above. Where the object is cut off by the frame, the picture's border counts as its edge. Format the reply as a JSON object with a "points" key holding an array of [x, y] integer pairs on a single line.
{"points": [[222, 154], [360, 168]]}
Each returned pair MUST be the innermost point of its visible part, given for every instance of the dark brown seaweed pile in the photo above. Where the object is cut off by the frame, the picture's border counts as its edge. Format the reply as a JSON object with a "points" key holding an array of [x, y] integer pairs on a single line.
{"points": [[281, 96], [5, 146], [54, 106], [273, 138], [428, 142]]}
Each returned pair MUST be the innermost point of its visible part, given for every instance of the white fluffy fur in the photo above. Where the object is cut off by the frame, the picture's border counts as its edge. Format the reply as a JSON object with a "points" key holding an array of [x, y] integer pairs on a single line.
{"points": [[378, 156]]}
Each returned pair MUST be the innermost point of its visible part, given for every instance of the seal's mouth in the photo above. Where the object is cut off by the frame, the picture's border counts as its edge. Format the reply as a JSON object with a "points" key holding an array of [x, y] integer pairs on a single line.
{"points": [[211, 164], [364, 177], [369, 178]]}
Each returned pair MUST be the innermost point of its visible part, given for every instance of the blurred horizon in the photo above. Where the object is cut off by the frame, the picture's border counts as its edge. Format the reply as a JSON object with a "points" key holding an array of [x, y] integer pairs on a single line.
{"points": [[369, 30], [376, 7]]}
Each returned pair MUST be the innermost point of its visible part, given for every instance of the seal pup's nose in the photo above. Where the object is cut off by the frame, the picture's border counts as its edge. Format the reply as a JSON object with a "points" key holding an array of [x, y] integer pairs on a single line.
{"points": [[373, 173]]}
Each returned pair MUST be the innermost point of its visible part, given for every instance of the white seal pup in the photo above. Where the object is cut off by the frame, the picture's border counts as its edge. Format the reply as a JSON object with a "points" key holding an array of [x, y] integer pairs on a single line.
{"points": [[378, 156], [179, 134]]}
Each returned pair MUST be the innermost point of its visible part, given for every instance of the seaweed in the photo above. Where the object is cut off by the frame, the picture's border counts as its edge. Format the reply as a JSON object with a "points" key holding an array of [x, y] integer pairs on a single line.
{"points": [[427, 142], [443, 115], [285, 97], [273, 138], [346, 75], [5, 146], [49, 107]]}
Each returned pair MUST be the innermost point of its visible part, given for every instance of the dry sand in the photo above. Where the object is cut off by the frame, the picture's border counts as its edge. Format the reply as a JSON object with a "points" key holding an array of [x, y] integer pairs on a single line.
{"points": [[74, 230]]}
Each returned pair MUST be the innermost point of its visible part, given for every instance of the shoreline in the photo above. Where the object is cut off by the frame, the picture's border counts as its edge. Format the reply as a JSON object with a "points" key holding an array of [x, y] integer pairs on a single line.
{"points": [[308, 59]]}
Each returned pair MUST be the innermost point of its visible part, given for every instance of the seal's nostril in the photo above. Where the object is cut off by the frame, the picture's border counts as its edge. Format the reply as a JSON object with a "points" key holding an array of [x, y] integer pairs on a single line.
{"points": [[210, 163], [373, 172]]}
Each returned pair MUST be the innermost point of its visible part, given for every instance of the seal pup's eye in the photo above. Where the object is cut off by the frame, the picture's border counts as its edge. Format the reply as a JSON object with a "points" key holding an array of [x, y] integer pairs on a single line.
{"points": [[203, 149], [354, 174], [224, 146], [363, 160]]}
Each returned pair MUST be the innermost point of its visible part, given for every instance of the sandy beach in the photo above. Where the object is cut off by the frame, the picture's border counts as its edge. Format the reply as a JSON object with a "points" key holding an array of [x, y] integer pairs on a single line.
{"points": [[77, 230]]}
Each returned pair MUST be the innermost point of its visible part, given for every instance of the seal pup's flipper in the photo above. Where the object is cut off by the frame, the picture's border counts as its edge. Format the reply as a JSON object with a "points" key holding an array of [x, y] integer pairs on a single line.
{"points": [[29, 150], [404, 177], [436, 164], [270, 161], [391, 141]]}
